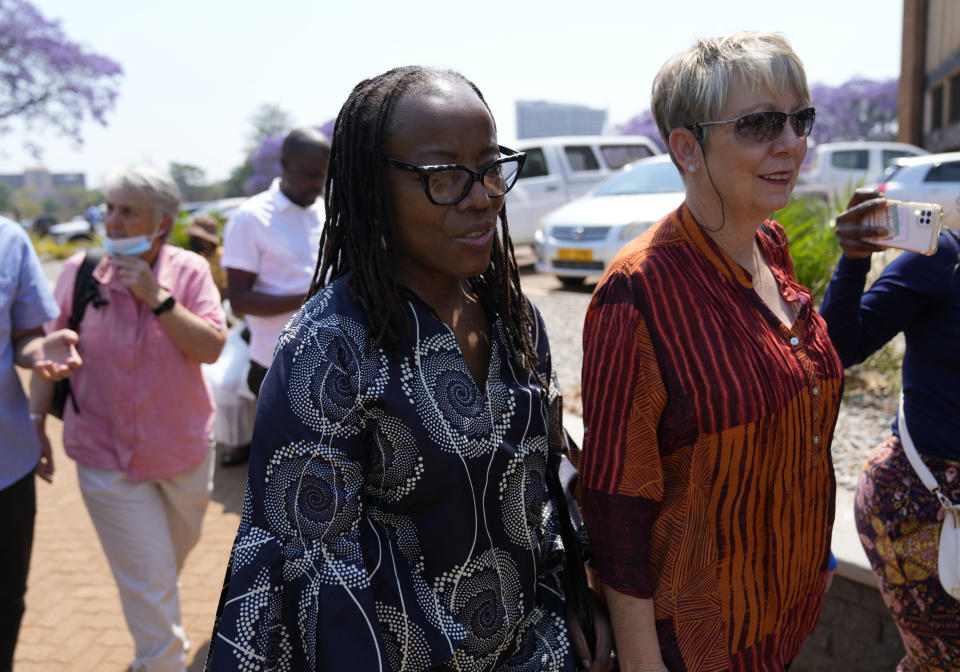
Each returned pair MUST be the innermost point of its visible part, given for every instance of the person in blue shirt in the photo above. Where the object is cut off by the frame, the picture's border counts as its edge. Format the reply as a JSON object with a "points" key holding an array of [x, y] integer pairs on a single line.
{"points": [[898, 519], [92, 215], [25, 304]]}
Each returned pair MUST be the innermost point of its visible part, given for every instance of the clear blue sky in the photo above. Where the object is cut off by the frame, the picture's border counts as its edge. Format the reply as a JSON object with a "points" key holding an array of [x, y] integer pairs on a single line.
{"points": [[195, 70]]}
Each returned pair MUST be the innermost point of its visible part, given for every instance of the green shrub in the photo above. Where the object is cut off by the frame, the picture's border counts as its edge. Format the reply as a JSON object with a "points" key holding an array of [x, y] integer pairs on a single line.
{"points": [[808, 222], [813, 245], [178, 236]]}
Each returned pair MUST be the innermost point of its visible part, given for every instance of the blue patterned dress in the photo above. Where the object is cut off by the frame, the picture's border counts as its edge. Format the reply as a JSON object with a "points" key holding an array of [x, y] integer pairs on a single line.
{"points": [[396, 517]]}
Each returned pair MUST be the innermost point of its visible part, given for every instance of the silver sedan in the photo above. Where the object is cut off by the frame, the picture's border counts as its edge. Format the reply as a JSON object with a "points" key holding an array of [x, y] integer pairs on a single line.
{"points": [[579, 239]]}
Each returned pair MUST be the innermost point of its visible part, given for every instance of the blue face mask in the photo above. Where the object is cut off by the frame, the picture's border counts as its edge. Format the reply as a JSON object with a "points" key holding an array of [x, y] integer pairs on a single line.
{"points": [[133, 246]]}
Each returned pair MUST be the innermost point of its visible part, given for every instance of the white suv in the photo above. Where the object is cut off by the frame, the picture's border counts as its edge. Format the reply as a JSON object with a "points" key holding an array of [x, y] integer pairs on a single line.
{"points": [[833, 168], [561, 168], [934, 178]]}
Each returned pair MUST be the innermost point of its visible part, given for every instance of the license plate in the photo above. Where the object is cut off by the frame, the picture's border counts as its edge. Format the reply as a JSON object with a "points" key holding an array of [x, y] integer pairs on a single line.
{"points": [[570, 254]]}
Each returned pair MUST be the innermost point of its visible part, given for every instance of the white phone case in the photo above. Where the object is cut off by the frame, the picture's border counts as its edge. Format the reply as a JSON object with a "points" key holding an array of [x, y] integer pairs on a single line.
{"points": [[913, 226]]}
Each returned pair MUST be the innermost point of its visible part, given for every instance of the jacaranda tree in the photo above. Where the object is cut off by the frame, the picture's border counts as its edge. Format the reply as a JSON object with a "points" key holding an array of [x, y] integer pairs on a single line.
{"points": [[860, 109], [46, 79], [642, 124]]}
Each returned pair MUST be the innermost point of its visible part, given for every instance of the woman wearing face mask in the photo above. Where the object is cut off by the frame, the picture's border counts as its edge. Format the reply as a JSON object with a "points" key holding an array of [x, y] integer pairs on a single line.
{"points": [[404, 508], [710, 387], [141, 438]]}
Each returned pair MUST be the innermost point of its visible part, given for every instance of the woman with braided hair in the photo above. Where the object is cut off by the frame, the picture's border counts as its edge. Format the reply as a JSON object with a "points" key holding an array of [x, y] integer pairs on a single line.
{"points": [[406, 503]]}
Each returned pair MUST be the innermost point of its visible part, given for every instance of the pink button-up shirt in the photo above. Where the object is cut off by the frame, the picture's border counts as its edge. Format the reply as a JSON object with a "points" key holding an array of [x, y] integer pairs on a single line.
{"points": [[145, 408]]}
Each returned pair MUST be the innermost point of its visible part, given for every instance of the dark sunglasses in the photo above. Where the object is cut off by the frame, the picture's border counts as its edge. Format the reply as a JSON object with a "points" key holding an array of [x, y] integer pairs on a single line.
{"points": [[764, 126], [447, 184]]}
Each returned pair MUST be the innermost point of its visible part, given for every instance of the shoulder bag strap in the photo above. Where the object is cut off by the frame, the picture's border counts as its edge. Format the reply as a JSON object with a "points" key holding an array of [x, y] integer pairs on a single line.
{"points": [[926, 476], [85, 288]]}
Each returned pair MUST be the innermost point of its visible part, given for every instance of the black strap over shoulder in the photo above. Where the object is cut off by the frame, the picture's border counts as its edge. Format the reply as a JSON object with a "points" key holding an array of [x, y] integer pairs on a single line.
{"points": [[86, 289]]}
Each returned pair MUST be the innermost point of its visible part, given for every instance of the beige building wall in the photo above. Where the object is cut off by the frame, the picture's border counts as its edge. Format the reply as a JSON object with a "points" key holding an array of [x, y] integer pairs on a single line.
{"points": [[929, 101]]}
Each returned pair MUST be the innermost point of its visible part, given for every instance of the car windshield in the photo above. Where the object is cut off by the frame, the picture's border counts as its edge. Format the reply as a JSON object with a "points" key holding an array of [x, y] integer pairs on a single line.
{"points": [[657, 177]]}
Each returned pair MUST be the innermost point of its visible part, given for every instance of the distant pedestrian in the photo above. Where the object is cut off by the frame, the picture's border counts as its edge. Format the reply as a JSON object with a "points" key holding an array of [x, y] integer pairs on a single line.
{"points": [[92, 215], [899, 520], [203, 237], [271, 245], [25, 304], [141, 438]]}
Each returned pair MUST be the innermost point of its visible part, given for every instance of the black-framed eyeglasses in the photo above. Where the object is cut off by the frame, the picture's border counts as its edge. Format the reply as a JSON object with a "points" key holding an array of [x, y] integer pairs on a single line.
{"points": [[449, 183], [765, 126]]}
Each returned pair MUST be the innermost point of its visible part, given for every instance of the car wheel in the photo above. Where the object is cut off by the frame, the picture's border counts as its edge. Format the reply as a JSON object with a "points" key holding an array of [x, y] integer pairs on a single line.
{"points": [[570, 282]]}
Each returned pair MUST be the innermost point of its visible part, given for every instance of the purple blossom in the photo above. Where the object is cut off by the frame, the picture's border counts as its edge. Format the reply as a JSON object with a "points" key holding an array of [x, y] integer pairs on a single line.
{"points": [[860, 109], [47, 79], [266, 165], [643, 124]]}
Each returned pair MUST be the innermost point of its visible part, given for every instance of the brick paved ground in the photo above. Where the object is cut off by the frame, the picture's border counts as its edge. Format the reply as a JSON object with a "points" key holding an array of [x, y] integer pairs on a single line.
{"points": [[73, 620]]}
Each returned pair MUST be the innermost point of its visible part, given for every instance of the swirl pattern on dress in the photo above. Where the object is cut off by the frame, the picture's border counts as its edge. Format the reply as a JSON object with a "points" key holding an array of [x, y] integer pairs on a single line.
{"points": [[522, 492], [312, 492], [485, 596], [543, 644], [332, 381], [406, 646], [397, 463], [457, 415]]}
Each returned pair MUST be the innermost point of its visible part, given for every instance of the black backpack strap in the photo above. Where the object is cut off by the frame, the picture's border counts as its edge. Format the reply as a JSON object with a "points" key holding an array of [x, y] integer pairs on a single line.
{"points": [[86, 289]]}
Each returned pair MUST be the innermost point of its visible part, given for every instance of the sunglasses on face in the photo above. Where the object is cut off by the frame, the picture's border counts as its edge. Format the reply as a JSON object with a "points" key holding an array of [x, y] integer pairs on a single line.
{"points": [[764, 126], [447, 184]]}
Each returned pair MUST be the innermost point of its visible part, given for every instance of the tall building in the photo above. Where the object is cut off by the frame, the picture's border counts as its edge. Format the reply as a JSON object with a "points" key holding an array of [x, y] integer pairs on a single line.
{"points": [[539, 119], [928, 106]]}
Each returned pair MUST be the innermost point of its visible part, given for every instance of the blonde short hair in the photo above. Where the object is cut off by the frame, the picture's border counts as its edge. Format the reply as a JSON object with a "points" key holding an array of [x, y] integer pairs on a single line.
{"points": [[694, 85]]}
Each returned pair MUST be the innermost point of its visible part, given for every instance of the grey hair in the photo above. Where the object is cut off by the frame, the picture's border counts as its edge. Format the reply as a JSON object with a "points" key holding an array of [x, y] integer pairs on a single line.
{"points": [[694, 85], [161, 192]]}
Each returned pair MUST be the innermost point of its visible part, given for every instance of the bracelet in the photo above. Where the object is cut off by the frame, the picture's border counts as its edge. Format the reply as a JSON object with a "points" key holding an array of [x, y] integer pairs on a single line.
{"points": [[37, 416]]}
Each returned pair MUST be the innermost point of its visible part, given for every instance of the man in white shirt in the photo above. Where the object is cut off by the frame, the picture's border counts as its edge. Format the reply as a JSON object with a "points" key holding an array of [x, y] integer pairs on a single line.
{"points": [[270, 249]]}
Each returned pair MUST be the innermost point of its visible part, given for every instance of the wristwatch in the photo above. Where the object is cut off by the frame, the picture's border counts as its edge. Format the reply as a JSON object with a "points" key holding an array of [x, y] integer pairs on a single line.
{"points": [[165, 305]]}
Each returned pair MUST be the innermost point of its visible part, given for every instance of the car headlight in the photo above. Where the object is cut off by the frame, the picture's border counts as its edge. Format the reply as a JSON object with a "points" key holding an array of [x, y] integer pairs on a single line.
{"points": [[540, 235], [633, 230]]}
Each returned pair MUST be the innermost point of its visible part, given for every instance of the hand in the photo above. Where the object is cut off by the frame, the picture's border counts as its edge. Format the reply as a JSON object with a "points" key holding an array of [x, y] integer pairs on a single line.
{"points": [[603, 659], [44, 468], [854, 236], [137, 275], [57, 357]]}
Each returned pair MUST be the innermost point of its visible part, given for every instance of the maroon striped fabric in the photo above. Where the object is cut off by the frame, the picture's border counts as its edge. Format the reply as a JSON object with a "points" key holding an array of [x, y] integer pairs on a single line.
{"points": [[706, 472]]}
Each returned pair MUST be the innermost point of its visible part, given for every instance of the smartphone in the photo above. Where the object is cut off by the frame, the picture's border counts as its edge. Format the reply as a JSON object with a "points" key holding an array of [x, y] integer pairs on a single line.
{"points": [[912, 226]]}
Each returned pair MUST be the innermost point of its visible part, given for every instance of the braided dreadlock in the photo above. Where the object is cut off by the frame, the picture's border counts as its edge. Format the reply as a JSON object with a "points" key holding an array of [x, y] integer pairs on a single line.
{"points": [[357, 220]]}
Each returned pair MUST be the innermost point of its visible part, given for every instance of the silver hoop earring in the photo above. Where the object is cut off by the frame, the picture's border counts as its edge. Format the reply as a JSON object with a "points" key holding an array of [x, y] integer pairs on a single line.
{"points": [[383, 243]]}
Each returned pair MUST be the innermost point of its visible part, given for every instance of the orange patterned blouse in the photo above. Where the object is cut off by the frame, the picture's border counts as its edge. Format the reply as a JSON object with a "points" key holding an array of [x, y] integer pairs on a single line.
{"points": [[706, 471]]}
